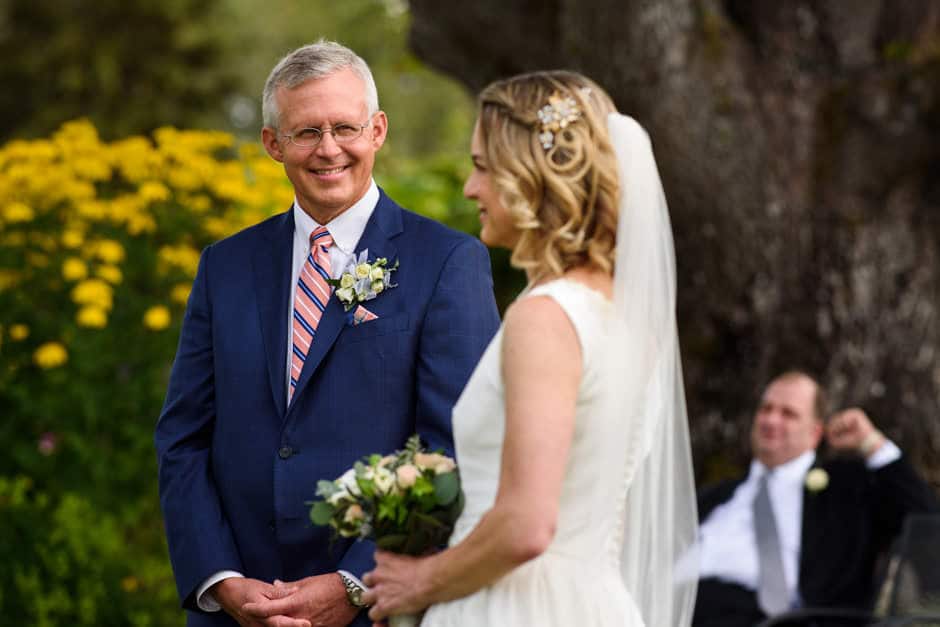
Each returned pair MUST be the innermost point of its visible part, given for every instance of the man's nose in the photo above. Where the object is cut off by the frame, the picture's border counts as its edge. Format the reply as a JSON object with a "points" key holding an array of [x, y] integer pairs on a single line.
{"points": [[327, 146]]}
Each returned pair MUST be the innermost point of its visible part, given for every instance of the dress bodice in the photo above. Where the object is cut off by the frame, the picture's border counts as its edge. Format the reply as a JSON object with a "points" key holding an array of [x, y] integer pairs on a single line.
{"points": [[599, 464]]}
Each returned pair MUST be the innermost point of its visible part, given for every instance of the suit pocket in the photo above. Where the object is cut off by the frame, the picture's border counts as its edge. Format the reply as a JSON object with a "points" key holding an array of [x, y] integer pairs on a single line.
{"points": [[374, 328]]}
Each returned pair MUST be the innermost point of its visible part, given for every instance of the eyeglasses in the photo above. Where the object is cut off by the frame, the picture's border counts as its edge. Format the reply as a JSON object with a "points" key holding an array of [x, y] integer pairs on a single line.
{"points": [[342, 134]]}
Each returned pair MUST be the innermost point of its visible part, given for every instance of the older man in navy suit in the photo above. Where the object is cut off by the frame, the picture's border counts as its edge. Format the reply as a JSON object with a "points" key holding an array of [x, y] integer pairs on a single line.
{"points": [[797, 530], [276, 385]]}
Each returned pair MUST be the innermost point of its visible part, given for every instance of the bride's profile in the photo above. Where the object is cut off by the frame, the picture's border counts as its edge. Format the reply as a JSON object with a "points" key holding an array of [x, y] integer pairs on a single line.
{"points": [[571, 434]]}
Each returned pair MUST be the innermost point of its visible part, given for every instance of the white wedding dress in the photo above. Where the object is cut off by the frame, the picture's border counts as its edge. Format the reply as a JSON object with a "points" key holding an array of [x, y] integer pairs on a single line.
{"points": [[623, 553], [577, 582]]}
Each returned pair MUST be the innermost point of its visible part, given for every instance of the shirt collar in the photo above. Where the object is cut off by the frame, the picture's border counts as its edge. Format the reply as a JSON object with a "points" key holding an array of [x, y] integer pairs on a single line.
{"points": [[793, 470], [346, 228]]}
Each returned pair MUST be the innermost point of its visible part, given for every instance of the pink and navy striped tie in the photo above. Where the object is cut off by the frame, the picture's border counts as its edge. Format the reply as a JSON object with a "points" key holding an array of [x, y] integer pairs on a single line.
{"points": [[310, 301]]}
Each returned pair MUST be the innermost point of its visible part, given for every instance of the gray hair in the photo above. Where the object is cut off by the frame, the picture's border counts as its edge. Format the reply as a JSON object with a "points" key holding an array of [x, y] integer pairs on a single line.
{"points": [[314, 60]]}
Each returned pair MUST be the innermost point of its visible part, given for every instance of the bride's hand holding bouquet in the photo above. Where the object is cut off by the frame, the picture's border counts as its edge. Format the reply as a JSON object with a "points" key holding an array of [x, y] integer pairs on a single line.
{"points": [[406, 502]]}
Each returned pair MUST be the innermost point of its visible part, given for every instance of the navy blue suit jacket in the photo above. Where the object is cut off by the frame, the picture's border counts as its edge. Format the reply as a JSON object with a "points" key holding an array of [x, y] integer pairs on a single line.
{"points": [[237, 464]]}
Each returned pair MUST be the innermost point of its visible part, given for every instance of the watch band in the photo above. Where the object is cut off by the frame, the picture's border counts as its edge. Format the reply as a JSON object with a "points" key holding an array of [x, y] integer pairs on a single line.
{"points": [[353, 591]]}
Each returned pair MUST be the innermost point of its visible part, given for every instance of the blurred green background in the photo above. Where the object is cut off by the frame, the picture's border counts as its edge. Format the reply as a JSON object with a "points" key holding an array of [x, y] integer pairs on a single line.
{"points": [[128, 142]]}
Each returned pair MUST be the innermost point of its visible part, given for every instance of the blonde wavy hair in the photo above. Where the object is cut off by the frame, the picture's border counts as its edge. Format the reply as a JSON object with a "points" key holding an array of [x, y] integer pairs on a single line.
{"points": [[564, 199]]}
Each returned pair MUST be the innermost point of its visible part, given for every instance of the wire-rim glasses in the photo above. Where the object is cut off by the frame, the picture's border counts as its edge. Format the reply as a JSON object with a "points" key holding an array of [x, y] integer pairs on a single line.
{"points": [[342, 133]]}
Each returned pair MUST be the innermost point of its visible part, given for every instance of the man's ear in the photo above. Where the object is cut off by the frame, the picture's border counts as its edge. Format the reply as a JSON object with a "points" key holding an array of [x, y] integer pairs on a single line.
{"points": [[820, 431], [271, 143], [379, 129]]}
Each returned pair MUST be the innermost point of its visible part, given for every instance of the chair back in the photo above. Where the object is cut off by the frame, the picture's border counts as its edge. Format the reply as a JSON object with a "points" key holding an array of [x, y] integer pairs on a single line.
{"points": [[912, 582]]}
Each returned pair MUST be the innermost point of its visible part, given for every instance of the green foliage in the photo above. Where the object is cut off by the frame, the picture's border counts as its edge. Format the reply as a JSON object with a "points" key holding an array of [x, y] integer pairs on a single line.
{"points": [[428, 113], [79, 573], [129, 65]]}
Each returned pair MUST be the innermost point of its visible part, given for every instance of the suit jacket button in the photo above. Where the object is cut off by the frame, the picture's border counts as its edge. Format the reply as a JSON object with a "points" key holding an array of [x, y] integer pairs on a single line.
{"points": [[285, 452]]}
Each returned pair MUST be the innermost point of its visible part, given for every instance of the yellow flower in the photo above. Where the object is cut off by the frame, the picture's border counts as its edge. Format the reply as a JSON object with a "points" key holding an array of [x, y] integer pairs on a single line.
{"points": [[157, 318], [111, 274], [92, 209], [50, 355], [74, 269], [141, 222], [110, 251], [346, 280], [8, 279], [72, 238], [18, 212], [363, 270], [183, 257], [130, 584], [19, 332], [153, 191], [93, 292], [180, 293], [92, 317], [199, 203]]}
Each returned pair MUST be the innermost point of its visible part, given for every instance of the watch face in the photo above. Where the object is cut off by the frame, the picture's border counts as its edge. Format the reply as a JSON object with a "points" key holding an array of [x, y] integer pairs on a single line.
{"points": [[355, 597], [353, 592]]}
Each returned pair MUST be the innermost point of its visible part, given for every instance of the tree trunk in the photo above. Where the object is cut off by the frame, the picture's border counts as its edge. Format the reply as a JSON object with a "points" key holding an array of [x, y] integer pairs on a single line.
{"points": [[798, 144]]}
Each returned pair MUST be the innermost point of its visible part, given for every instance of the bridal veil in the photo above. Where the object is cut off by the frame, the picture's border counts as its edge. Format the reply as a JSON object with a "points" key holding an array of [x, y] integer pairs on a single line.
{"points": [[661, 517]]}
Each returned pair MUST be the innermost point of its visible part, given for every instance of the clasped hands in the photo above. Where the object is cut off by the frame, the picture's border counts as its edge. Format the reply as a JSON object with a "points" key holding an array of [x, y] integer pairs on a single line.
{"points": [[312, 601]]}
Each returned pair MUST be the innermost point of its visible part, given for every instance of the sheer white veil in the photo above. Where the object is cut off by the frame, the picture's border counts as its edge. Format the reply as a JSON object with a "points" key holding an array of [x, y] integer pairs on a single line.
{"points": [[661, 517]]}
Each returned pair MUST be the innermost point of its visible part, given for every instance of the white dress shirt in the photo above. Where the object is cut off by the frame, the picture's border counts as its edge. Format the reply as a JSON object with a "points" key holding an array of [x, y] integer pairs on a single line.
{"points": [[727, 543], [346, 229]]}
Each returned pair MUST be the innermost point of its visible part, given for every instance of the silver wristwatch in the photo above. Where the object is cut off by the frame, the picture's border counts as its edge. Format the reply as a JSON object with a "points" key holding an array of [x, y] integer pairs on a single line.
{"points": [[353, 591]]}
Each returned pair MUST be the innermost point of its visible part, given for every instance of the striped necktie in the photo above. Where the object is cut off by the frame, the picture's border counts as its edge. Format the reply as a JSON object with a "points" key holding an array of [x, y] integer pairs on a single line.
{"points": [[310, 300]]}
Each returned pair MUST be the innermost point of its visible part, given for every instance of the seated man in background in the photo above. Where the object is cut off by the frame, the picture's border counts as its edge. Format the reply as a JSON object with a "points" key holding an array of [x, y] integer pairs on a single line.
{"points": [[798, 531]]}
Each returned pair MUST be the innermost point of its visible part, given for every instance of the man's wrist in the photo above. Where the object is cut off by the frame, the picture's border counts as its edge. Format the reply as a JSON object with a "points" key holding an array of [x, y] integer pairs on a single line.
{"points": [[354, 588], [205, 600], [871, 443]]}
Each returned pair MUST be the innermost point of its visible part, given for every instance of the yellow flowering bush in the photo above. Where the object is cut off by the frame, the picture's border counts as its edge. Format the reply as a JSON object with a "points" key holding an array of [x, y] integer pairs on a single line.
{"points": [[99, 243]]}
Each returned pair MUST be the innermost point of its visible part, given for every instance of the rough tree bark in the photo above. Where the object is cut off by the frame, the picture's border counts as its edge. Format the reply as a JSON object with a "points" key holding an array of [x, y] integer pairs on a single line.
{"points": [[798, 143]]}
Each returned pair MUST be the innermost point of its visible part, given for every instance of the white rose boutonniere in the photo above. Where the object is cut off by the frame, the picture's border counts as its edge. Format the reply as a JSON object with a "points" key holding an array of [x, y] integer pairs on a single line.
{"points": [[363, 280], [817, 480]]}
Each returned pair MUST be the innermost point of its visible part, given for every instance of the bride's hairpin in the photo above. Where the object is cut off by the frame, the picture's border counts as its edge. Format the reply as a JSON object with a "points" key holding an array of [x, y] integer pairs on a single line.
{"points": [[555, 116]]}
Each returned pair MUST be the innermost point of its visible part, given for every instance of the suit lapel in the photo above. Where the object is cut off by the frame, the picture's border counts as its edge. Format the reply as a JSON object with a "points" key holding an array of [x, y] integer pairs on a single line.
{"points": [[272, 272], [384, 224], [812, 536]]}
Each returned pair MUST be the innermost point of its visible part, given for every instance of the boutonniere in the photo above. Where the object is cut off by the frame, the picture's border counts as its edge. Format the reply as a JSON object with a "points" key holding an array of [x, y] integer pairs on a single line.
{"points": [[817, 480], [363, 280]]}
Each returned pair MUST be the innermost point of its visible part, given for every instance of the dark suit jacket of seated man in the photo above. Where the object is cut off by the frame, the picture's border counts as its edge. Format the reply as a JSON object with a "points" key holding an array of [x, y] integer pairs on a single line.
{"points": [[834, 517]]}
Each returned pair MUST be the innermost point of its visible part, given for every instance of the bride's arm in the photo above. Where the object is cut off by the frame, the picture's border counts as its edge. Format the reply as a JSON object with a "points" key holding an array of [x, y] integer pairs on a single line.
{"points": [[542, 372]]}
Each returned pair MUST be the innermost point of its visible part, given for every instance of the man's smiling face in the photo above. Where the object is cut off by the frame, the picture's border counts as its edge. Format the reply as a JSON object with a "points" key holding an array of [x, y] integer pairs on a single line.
{"points": [[329, 177]]}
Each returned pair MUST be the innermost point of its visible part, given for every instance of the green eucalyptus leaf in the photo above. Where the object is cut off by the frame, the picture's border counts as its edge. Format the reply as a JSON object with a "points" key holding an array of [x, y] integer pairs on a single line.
{"points": [[446, 487], [321, 513]]}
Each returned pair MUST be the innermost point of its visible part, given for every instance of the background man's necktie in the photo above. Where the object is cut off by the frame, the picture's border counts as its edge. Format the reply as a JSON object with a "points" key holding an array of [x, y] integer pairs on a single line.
{"points": [[310, 300], [772, 594]]}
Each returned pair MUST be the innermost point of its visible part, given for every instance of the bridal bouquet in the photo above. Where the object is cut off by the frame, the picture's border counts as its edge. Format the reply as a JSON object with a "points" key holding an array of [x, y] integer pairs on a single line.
{"points": [[406, 502]]}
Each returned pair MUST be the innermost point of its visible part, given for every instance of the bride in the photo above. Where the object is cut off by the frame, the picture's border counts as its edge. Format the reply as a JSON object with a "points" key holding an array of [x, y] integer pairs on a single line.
{"points": [[571, 434]]}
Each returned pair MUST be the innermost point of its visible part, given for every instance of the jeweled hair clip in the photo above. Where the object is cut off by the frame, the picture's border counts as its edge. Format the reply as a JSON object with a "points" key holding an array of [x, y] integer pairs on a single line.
{"points": [[555, 116]]}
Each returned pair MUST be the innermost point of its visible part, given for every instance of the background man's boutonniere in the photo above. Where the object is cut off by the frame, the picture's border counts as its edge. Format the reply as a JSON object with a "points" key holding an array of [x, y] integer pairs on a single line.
{"points": [[363, 280], [817, 480]]}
